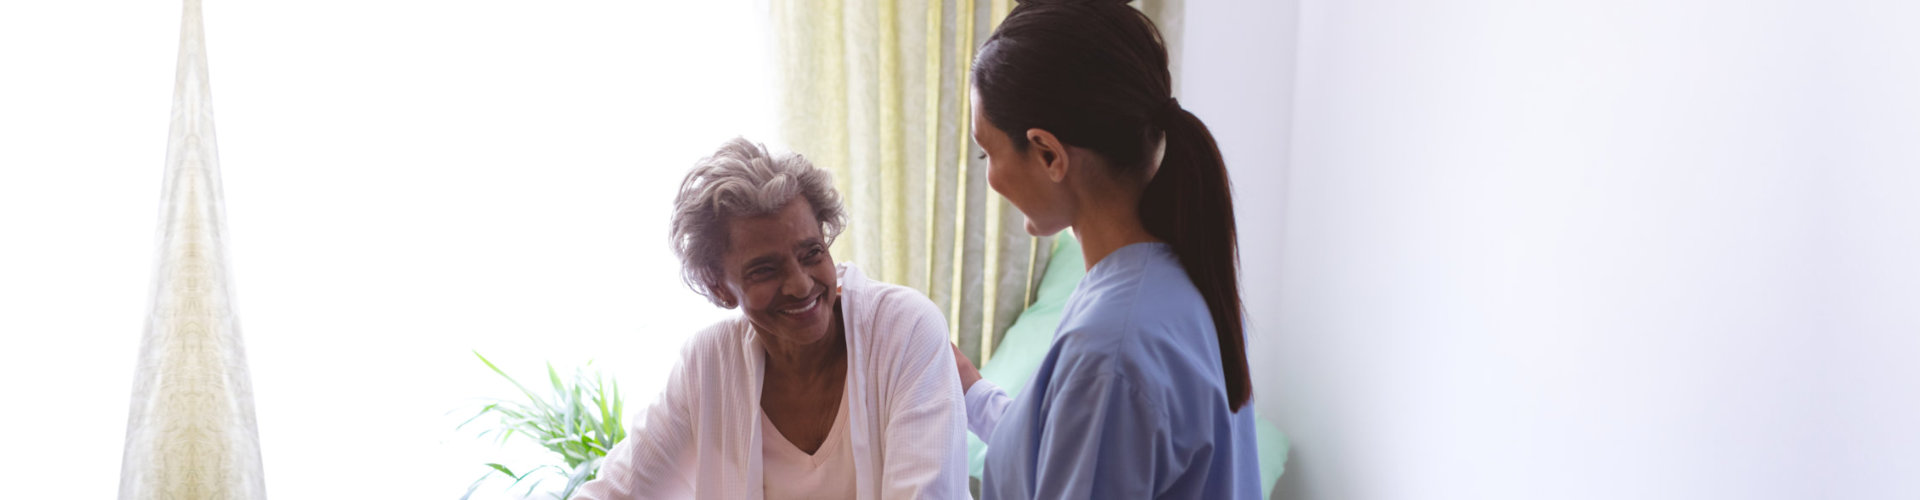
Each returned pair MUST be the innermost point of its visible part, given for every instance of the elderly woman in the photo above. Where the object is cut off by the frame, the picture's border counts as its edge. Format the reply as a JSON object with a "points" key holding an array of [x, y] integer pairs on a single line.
{"points": [[827, 385]]}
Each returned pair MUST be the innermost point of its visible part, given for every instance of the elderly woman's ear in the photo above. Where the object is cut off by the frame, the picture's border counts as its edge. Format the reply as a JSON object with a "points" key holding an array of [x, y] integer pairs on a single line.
{"points": [[722, 295]]}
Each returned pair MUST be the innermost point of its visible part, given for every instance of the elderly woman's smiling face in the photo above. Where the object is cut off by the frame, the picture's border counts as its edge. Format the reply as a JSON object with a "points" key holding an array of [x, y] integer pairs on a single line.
{"points": [[778, 270]]}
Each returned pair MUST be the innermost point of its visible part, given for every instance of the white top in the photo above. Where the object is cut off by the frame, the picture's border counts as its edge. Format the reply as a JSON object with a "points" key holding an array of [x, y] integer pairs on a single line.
{"points": [[792, 474], [905, 420]]}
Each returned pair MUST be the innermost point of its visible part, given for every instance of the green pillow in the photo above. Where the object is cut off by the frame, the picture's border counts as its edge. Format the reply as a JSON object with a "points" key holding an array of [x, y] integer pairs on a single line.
{"points": [[1273, 447], [1031, 336]]}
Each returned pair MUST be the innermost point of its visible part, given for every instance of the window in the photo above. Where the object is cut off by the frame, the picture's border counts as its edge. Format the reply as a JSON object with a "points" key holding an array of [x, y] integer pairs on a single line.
{"points": [[405, 182]]}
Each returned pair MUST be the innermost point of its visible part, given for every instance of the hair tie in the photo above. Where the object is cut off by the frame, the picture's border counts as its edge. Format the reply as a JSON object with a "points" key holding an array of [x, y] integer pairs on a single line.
{"points": [[1164, 116]]}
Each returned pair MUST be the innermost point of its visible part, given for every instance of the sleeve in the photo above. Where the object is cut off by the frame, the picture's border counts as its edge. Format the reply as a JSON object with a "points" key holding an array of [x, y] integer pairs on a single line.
{"points": [[1101, 440], [925, 445], [654, 460], [986, 403]]}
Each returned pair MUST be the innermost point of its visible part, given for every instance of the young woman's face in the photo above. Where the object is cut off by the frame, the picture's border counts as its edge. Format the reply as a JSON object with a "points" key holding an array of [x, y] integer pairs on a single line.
{"points": [[779, 272], [1021, 176]]}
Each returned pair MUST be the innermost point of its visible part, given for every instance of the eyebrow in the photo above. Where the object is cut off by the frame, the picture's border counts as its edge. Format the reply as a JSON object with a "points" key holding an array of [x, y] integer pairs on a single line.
{"points": [[772, 257], [756, 261]]}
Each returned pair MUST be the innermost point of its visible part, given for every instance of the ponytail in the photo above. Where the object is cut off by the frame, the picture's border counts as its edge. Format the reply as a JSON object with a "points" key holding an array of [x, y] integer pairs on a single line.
{"points": [[1189, 204]]}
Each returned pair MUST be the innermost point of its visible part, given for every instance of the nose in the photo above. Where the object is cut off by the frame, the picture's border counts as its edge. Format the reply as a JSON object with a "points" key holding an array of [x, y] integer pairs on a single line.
{"points": [[797, 284]]}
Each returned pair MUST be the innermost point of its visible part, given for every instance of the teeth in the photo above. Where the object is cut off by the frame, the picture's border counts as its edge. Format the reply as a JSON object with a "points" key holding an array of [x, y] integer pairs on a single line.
{"points": [[803, 308]]}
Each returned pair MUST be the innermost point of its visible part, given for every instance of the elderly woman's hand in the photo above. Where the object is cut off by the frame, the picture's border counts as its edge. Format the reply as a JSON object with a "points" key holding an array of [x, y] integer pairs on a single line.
{"points": [[968, 374]]}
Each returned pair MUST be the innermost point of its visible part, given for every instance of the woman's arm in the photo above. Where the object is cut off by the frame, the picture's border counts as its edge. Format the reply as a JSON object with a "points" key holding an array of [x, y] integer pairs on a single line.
{"points": [[926, 438], [986, 401]]}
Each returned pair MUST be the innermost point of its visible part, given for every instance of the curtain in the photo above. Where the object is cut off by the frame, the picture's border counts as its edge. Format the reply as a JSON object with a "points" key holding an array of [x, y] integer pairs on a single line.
{"points": [[878, 92], [1170, 18], [190, 428]]}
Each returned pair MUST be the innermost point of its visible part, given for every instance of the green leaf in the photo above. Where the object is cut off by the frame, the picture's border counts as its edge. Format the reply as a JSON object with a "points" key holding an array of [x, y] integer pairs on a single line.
{"points": [[516, 482], [483, 412], [476, 485], [581, 473], [516, 383]]}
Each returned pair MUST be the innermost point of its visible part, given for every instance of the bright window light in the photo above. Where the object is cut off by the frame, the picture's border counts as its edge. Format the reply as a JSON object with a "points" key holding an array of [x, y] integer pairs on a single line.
{"points": [[406, 182]]}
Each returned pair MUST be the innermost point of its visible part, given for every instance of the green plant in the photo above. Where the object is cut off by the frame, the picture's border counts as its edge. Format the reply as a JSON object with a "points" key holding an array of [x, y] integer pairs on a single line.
{"points": [[580, 420]]}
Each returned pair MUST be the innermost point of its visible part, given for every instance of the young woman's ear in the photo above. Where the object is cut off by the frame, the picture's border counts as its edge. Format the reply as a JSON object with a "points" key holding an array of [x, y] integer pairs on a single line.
{"points": [[1051, 153]]}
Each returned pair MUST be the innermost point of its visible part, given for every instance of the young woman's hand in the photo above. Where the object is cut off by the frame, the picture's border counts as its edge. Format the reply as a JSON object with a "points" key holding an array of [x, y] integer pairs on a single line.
{"points": [[968, 374]]}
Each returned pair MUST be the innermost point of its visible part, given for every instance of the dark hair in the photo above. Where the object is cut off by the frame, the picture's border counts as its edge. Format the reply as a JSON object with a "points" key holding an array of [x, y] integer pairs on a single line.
{"points": [[1094, 73]]}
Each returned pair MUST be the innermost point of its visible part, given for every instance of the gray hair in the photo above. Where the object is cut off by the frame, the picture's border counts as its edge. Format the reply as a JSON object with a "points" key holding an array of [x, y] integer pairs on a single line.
{"points": [[742, 180]]}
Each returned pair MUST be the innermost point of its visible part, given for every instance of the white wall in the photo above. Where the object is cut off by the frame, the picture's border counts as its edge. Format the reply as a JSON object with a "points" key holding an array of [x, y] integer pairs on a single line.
{"points": [[1579, 250]]}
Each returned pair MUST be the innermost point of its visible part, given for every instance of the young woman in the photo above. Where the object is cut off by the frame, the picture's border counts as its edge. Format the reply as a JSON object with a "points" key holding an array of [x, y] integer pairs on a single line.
{"points": [[1144, 392]]}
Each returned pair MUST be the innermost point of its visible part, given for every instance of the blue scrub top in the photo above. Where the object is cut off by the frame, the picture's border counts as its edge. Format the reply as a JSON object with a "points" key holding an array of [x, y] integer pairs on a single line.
{"points": [[1130, 401]]}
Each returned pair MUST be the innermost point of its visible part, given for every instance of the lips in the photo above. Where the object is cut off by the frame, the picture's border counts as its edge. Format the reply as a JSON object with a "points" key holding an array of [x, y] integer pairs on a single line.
{"points": [[804, 310], [805, 307]]}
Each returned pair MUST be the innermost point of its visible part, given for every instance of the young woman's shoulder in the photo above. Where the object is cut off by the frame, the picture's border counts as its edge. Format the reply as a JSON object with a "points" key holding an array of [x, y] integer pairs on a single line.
{"points": [[1135, 296], [1147, 320]]}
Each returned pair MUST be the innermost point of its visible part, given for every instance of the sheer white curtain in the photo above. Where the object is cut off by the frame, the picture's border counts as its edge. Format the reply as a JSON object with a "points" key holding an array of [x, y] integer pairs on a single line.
{"points": [[190, 430]]}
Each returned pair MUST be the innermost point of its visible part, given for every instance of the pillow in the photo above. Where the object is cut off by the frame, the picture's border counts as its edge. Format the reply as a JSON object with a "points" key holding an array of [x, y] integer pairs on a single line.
{"points": [[1273, 446]]}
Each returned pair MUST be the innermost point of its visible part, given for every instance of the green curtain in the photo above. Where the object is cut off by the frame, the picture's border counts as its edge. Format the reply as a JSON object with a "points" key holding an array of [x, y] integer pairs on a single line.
{"points": [[877, 91]]}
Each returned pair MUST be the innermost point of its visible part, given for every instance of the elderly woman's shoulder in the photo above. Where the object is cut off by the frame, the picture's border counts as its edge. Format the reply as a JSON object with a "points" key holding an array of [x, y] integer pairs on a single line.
{"points": [[897, 297], [721, 337], [893, 307]]}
